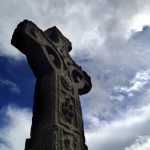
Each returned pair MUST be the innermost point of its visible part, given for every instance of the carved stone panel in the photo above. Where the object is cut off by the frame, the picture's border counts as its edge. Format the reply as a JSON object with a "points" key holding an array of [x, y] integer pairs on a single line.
{"points": [[68, 110], [71, 141]]}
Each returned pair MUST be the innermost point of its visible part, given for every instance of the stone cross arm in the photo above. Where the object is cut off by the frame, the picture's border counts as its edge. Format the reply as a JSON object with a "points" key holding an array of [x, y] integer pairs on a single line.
{"points": [[48, 51]]}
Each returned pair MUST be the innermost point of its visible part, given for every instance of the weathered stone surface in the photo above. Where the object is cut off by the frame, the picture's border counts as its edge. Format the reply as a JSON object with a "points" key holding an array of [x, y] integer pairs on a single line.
{"points": [[57, 118]]}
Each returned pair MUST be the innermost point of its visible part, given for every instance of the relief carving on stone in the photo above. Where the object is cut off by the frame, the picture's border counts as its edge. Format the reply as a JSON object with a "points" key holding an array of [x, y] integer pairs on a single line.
{"points": [[68, 110], [66, 82], [68, 115], [70, 142]]}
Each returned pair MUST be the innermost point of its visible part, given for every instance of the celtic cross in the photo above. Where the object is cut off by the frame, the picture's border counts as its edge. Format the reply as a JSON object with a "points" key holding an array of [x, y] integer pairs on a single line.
{"points": [[57, 118]]}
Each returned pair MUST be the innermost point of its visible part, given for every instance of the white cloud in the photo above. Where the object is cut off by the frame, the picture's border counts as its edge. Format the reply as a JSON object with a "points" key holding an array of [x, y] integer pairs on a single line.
{"points": [[15, 127], [86, 24], [141, 143], [107, 74], [11, 85], [106, 43], [142, 77], [137, 84], [119, 133]]}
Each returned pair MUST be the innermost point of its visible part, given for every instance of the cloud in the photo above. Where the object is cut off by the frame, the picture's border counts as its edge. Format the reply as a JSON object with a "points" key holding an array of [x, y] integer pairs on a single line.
{"points": [[99, 23], [121, 132], [141, 143], [137, 84], [15, 127], [119, 72], [11, 85]]}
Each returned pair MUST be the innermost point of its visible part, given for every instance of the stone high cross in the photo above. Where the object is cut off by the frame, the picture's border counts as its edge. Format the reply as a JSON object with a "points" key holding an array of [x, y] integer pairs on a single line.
{"points": [[57, 118]]}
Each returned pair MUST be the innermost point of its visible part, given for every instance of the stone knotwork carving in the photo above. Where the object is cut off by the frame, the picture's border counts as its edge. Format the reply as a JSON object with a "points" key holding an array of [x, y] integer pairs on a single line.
{"points": [[68, 110], [57, 119]]}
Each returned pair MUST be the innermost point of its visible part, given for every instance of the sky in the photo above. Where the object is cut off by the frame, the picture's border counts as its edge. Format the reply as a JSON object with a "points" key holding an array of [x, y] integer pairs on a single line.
{"points": [[110, 40]]}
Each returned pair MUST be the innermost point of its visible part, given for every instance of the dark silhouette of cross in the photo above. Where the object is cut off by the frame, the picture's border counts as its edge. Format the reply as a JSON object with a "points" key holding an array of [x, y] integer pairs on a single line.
{"points": [[57, 118]]}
